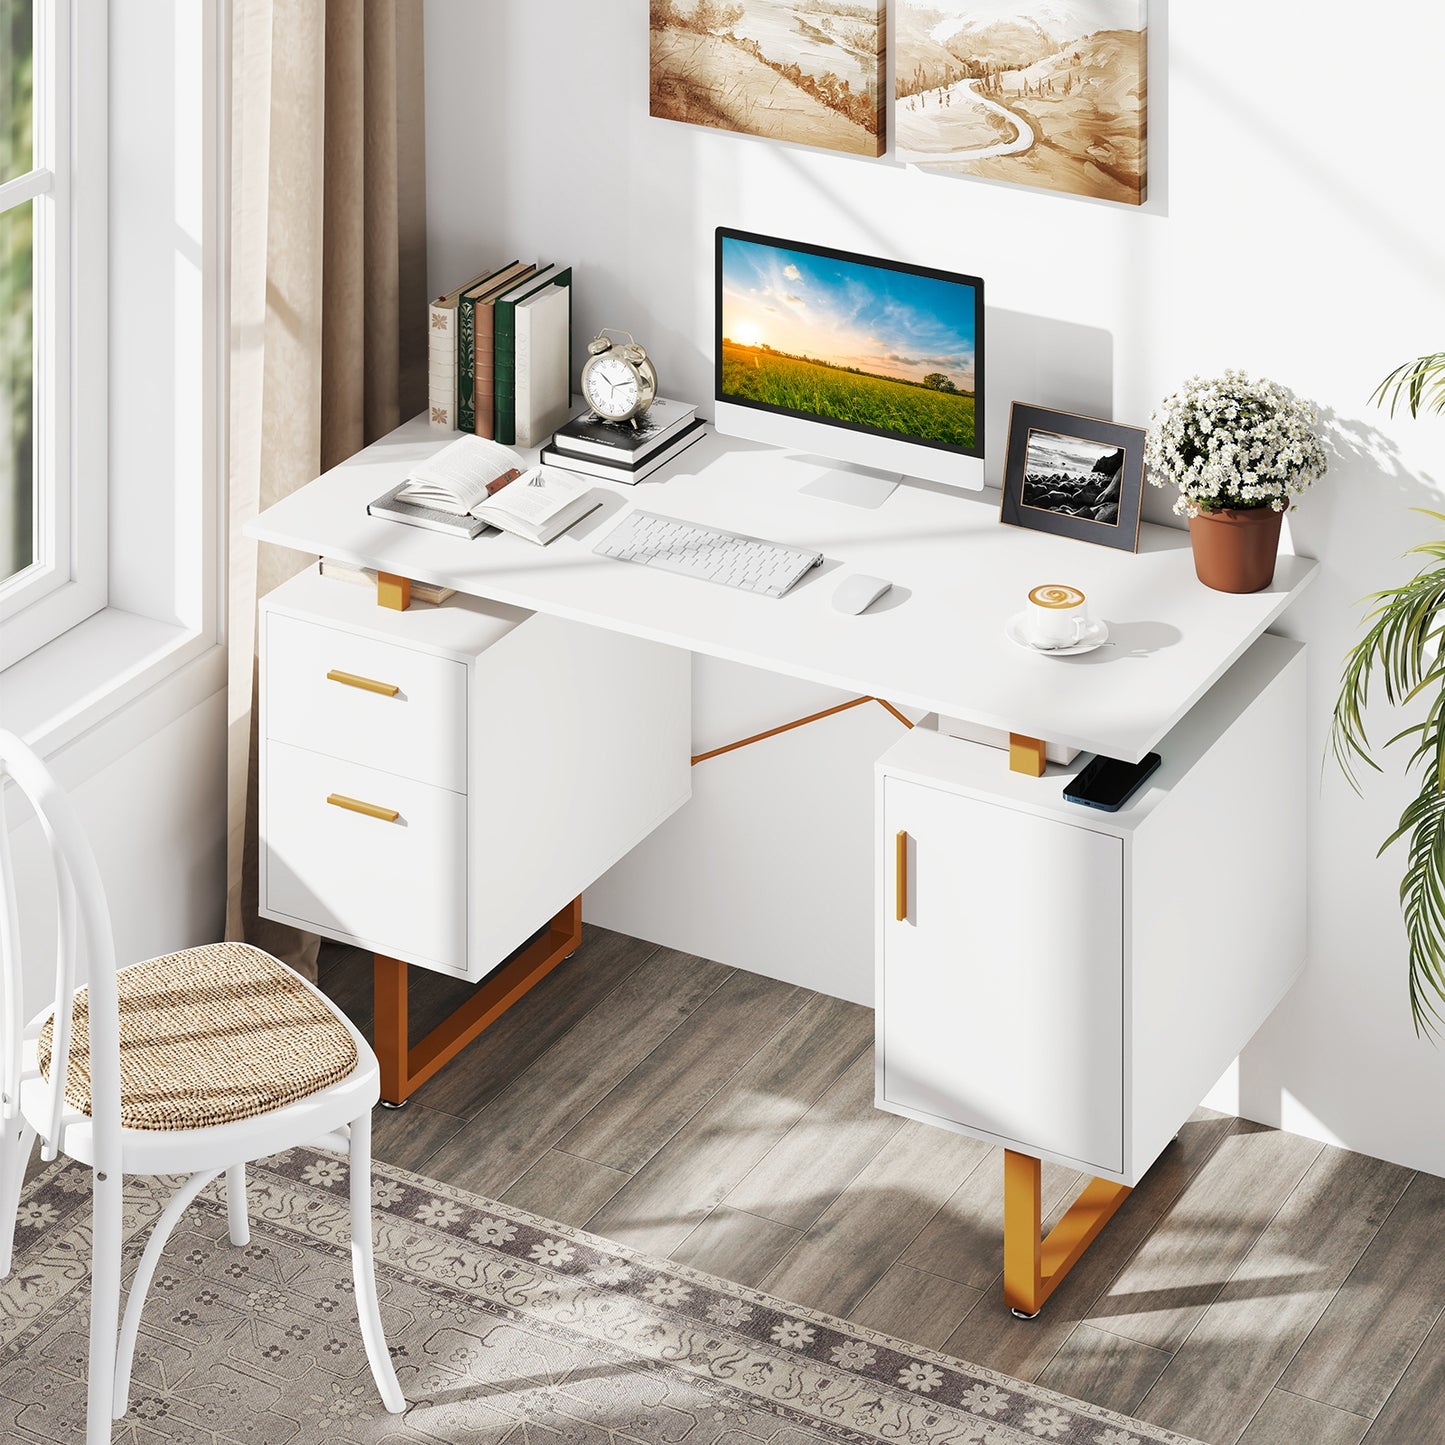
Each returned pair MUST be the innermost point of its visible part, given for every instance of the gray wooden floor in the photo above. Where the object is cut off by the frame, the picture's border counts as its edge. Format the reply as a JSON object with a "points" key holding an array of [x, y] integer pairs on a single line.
{"points": [[1257, 1286]]}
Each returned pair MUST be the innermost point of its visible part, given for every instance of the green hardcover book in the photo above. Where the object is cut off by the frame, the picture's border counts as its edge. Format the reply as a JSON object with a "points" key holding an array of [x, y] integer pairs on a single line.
{"points": [[466, 340], [505, 344]]}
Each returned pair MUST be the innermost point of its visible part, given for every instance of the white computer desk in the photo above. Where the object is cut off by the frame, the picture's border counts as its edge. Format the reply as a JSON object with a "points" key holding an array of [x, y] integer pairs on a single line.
{"points": [[935, 642]]}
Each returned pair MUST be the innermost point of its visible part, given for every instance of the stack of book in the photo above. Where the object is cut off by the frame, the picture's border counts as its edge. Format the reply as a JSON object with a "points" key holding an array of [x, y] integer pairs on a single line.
{"points": [[625, 451], [499, 354]]}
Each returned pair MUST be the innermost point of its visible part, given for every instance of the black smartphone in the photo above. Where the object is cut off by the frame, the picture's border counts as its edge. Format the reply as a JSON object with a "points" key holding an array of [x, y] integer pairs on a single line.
{"points": [[1108, 783]]}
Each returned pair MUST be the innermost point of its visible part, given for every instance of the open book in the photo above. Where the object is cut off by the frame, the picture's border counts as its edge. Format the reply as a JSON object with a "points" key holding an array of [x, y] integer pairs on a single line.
{"points": [[462, 489]]}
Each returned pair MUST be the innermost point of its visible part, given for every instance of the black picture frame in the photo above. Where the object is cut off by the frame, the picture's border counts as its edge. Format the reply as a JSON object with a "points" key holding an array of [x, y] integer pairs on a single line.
{"points": [[1044, 497]]}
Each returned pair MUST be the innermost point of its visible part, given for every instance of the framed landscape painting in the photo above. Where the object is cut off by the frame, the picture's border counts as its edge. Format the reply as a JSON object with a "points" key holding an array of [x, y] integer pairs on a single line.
{"points": [[809, 71], [1044, 93]]}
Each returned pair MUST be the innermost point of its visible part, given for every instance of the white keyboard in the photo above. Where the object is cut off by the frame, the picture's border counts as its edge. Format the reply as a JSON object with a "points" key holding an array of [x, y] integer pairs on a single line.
{"points": [[750, 563]]}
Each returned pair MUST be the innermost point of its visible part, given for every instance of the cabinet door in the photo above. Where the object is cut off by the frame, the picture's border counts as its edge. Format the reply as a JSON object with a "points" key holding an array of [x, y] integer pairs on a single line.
{"points": [[1001, 999]]}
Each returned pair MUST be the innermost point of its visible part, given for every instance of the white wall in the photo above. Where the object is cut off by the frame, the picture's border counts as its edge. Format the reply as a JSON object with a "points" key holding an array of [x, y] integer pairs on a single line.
{"points": [[1293, 230]]}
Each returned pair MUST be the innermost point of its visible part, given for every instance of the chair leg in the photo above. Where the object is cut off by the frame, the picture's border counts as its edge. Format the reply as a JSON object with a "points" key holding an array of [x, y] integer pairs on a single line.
{"points": [[363, 1269], [104, 1305], [237, 1219], [17, 1138]]}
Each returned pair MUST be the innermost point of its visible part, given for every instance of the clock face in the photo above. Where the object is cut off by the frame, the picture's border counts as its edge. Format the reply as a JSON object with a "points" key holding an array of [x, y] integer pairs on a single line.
{"points": [[611, 387]]}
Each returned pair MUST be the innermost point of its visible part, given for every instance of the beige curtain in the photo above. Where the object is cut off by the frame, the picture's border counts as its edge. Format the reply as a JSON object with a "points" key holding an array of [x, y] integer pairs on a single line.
{"points": [[328, 296]]}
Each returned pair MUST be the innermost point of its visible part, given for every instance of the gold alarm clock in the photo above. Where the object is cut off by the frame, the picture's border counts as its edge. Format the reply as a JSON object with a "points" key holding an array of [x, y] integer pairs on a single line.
{"points": [[619, 381]]}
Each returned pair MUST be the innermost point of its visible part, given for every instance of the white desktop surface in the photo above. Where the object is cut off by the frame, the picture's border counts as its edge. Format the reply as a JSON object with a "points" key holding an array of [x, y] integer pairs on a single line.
{"points": [[935, 642]]}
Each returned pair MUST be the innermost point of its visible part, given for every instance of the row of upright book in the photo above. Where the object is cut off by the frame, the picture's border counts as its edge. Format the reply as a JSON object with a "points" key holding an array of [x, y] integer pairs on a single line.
{"points": [[499, 354]]}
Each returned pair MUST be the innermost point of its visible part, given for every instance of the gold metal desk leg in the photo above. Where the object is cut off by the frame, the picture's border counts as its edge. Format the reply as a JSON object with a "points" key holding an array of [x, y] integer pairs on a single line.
{"points": [[406, 1066], [1034, 1267]]}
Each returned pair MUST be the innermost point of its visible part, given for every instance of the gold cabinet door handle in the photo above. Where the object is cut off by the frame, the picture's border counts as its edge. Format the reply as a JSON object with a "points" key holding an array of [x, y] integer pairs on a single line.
{"points": [[355, 805], [367, 684], [900, 876]]}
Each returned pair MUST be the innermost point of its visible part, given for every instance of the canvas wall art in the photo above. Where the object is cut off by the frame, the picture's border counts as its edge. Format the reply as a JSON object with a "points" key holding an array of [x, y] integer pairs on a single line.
{"points": [[810, 71], [1040, 92]]}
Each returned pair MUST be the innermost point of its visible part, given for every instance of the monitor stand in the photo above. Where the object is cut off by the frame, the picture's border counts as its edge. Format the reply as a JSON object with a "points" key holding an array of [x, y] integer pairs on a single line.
{"points": [[856, 486]]}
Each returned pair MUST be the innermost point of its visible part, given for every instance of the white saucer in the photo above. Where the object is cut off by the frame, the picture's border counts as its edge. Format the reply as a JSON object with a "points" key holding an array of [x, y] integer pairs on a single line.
{"points": [[1016, 630]]}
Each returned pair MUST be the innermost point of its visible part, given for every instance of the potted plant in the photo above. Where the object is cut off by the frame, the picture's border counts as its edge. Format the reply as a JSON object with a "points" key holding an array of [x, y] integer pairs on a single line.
{"points": [[1236, 449], [1401, 649]]}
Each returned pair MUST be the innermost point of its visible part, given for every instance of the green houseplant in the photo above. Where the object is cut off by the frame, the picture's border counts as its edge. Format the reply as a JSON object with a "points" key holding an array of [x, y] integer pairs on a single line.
{"points": [[1402, 652]]}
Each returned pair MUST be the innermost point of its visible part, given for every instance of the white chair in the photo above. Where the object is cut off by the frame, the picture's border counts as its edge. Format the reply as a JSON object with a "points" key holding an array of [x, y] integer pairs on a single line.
{"points": [[194, 1063]]}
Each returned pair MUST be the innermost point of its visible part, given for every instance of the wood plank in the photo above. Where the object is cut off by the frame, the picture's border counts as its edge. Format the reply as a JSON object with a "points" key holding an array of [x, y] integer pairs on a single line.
{"points": [[407, 1137], [1413, 1413], [1356, 1354], [565, 1188], [630, 1123], [1176, 1275], [532, 1113], [1237, 1352], [536, 1022], [1286, 1419], [347, 983], [1023, 1348], [681, 1185], [811, 1165], [842, 1256], [737, 1246], [1105, 1369], [916, 1306]]}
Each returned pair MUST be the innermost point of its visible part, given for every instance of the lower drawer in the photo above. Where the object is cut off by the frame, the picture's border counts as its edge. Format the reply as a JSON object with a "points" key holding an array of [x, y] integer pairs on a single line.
{"points": [[395, 886]]}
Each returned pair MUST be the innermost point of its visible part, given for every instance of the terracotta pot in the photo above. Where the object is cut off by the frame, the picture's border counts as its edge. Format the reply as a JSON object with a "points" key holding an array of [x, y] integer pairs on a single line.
{"points": [[1234, 551]]}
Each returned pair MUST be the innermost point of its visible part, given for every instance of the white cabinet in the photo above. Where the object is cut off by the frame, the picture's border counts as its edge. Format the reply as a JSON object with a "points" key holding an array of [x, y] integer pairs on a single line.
{"points": [[1070, 983], [437, 783], [1007, 966]]}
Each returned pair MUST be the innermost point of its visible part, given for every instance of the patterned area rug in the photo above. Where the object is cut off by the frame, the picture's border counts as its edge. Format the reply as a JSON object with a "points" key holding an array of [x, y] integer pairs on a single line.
{"points": [[504, 1327]]}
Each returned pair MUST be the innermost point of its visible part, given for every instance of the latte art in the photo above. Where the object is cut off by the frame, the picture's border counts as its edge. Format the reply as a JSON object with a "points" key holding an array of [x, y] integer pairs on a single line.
{"points": [[1054, 594]]}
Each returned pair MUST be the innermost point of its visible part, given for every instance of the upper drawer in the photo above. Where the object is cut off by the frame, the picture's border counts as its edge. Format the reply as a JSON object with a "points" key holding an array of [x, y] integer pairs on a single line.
{"points": [[367, 701]]}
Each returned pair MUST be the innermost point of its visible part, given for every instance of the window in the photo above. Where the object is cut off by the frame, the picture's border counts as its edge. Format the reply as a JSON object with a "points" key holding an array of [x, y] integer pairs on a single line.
{"points": [[52, 494]]}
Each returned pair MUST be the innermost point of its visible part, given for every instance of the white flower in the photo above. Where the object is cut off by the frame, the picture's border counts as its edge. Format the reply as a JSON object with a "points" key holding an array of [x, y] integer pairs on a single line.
{"points": [[34, 1214], [985, 1399], [793, 1333], [667, 1292], [1114, 1436], [1047, 1421], [853, 1355], [438, 1212], [324, 1171], [610, 1272], [918, 1376], [492, 1231], [729, 1312], [386, 1191], [553, 1251]]}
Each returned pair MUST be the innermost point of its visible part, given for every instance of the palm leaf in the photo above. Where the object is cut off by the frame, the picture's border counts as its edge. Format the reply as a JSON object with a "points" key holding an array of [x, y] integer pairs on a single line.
{"points": [[1420, 383]]}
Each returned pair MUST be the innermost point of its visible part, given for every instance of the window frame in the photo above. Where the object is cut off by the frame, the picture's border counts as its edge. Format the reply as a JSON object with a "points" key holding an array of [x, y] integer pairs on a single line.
{"points": [[68, 581]]}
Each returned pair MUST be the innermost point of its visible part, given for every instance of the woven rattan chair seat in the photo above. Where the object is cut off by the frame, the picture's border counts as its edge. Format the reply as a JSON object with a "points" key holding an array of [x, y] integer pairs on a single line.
{"points": [[208, 1036]]}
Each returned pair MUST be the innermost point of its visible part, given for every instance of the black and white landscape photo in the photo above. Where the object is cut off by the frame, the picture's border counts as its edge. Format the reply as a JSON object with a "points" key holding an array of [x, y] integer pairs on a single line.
{"points": [[1073, 477]]}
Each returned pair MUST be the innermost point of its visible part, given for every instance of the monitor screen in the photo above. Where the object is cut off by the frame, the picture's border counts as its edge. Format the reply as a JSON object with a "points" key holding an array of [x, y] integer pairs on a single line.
{"points": [[854, 344]]}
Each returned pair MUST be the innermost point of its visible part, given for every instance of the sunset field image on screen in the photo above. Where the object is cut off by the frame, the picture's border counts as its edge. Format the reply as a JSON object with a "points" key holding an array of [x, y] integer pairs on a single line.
{"points": [[842, 340]]}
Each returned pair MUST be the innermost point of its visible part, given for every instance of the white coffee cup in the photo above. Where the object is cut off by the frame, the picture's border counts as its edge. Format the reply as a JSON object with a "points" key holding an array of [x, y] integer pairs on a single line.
{"points": [[1058, 616]]}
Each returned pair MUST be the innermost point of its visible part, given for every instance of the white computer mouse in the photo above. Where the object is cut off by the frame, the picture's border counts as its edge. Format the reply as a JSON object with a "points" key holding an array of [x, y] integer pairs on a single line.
{"points": [[858, 593]]}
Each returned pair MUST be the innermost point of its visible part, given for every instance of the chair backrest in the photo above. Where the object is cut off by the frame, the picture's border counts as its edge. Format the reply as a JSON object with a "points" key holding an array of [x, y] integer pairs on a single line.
{"points": [[82, 932]]}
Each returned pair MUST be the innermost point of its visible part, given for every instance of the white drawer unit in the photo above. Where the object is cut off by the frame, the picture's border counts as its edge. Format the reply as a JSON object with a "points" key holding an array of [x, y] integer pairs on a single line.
{"points": [[1070, 983], [372, 702], [436, 784]]}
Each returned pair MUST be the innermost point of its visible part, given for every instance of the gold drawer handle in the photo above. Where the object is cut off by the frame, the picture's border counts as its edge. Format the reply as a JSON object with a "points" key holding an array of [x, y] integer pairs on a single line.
{"points": [[340, 800], [368, 684], [900, 877]]}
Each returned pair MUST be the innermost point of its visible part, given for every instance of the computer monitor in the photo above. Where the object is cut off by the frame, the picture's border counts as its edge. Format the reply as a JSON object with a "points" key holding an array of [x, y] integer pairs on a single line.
{"points": [[872, 363]]}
